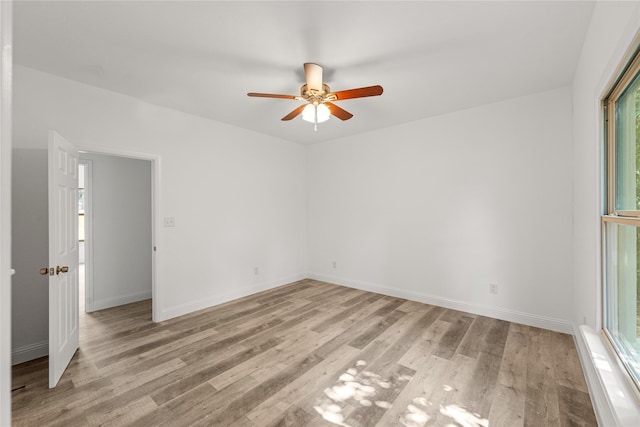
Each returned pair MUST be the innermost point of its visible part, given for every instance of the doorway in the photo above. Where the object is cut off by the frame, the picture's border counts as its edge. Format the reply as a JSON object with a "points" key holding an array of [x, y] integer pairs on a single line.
{"points": [[115, 218]]}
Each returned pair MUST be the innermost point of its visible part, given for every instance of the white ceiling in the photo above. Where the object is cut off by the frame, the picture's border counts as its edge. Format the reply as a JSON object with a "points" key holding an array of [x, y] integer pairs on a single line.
{"points": [[202, 57]]}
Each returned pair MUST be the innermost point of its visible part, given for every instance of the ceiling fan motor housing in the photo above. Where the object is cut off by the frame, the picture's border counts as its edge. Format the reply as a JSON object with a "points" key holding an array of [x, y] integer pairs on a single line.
{"points": [[313, 96]]}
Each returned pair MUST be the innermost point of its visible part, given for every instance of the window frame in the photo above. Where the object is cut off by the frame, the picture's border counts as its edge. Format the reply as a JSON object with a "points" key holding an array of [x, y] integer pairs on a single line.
{"points": [[611, 215]]}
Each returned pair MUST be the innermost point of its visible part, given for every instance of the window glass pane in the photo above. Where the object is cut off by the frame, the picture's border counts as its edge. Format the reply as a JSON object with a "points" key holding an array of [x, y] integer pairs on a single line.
{"points": [[81, 200], [627, 145], [81, 227], [622, 293]]}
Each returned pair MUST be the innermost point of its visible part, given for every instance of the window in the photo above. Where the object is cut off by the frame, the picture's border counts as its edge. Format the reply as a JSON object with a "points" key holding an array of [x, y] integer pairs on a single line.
{"points": [[621, 222]]}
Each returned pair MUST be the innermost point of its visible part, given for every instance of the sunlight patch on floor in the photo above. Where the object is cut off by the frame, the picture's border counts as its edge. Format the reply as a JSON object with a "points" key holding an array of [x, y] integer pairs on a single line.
{"points": [[415, 416], [356, 386], [463, 417], [420, 411]]}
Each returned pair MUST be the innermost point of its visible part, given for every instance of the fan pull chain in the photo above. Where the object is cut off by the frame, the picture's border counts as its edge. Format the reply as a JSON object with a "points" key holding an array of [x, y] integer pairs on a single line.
{"points": [[315, 121]]}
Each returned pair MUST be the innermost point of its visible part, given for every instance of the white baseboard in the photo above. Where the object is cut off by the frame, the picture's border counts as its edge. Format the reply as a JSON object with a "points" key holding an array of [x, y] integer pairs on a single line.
{"points": [[114, 302], [613, 401], [558, 325], [29, 352], [179, 310]]}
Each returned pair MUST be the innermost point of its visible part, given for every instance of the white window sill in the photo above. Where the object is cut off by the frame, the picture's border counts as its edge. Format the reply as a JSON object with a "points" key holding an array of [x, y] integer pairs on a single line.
{"points": [[613, 400]]}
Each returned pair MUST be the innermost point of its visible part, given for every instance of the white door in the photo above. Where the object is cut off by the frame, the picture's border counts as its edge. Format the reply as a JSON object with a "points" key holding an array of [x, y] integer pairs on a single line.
{"points": [[64, 331]]}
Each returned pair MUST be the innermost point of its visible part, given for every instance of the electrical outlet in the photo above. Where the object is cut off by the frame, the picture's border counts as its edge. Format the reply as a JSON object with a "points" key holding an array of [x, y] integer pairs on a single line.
{"points": [[169, 221], [493, 288], [334, 264], [256, 271]]}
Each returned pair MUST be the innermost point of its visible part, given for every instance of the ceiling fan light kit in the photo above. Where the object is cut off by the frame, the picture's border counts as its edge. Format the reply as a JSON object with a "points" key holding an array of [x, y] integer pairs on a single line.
{"points": [[315, 113], [319, 98]]}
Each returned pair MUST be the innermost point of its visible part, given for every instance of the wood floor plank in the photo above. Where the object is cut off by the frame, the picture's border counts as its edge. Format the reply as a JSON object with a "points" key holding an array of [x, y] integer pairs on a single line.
{"points": [[288, 349], [414, 404], [178, 411], [339, 293], [292, 417], [376, 329], [408, 306], [301, 322], [344, 336], [254, 397], [377, 393], [308, 353], [475, 339], [177, 349], [507, 408], [568, 375], [60, 407], [299, 394], [132, 348], [295, 340], [126, 415], [575, 407], [450, 399], [198, 408], [425, 346], [332, 389], [496, 338], [190, 380], [541, 404], [478, 395], [130, 380], [345, 313], [404, 338], [359, 296], [448, 344], [390, 306], [284, 310], [216, 346]]}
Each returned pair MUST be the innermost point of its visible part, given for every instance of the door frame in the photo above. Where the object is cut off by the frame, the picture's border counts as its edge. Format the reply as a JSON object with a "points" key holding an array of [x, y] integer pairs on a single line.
{"points": [[6, 94], [155, 222]]}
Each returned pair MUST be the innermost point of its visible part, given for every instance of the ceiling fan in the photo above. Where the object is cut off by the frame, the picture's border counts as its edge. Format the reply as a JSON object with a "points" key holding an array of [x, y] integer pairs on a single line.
{"points": [[319, 99]]}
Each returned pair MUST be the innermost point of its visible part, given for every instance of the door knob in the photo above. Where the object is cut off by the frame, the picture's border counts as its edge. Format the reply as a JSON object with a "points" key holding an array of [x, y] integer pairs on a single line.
{"points": [[44, 271]]}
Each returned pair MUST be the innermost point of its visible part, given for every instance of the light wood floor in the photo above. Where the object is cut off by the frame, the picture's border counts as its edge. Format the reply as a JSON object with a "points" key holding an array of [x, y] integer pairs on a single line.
{"points": [[309, 353]]}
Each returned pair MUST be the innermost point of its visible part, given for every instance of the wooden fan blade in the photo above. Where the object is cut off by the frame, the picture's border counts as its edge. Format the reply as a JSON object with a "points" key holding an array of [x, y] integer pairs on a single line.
{"points": [[356, 93], [313, 74], [294, 113], [338, 112], [271, 95]]}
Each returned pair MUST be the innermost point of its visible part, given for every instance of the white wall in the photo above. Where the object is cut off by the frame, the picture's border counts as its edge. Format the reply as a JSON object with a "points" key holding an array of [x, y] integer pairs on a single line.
{"points": [[121, 241], [29, 249], [238, 197], [437, 209]]}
